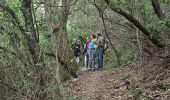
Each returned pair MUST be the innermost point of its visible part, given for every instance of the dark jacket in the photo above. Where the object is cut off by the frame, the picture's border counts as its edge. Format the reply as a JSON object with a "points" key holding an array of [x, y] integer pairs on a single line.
{"points": [[85, 48], [76, 49]]}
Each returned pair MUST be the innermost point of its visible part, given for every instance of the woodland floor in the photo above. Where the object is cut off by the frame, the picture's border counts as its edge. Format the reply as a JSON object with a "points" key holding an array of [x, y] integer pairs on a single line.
{"points": [[99, 85]]}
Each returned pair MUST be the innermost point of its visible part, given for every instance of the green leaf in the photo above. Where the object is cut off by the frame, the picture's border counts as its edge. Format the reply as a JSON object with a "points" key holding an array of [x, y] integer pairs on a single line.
{"points": [[1, 15], [43, 41], [9, 18], [55, 18], [39, 65]]}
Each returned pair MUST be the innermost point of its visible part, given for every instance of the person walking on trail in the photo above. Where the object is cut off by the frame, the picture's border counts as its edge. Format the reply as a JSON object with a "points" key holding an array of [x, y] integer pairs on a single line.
{"points": [[100, 50], [92, 52], [76, 50], [86, 52]]}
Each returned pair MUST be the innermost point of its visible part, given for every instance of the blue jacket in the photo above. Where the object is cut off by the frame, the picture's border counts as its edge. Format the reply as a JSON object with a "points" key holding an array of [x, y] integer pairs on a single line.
{"points": [[92, 46]]}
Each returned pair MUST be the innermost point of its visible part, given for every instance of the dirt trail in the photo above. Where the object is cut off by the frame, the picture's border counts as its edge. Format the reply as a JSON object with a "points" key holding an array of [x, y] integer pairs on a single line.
{"points": [[99, 85], [96, 85]]}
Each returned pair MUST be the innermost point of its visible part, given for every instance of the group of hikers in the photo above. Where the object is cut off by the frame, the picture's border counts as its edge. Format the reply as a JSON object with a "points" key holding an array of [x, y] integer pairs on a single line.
{"points": [[93, 49]]}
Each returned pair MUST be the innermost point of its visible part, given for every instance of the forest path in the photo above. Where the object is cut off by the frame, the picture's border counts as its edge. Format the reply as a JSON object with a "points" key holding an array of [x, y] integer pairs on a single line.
{"points": [[98, 85]]}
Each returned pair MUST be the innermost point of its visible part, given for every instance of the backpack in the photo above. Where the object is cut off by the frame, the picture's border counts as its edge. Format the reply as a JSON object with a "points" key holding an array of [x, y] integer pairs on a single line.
{"points": [[92, 45], [106, 44]]}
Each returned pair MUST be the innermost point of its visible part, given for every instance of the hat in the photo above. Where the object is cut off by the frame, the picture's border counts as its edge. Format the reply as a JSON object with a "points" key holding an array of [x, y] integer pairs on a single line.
{"points": [[75, 40]]}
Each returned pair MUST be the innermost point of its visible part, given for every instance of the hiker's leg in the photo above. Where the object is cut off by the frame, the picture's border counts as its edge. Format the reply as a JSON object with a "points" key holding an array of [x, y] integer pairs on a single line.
{"points": [[85, 61], [77, 60], [93, 59], [94, 63], [99, 55], [98, 59], [87, 56], [101, 58], [90, 60]]}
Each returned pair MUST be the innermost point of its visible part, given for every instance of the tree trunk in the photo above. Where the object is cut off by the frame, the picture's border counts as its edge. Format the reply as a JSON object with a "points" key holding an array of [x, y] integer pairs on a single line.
{"points": [[136, 23], [101, 13], [63, 46], [49, 14], [58, 33], [112, 46], [32, 40], [157, 9]]}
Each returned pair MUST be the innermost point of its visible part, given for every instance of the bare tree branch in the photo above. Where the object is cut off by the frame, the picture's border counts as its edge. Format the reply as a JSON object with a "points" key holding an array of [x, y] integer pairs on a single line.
{"points": [[101, 13], [132, 19]]}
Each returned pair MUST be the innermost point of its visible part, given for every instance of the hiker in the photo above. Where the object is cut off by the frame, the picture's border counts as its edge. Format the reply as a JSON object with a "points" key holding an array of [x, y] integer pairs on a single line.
{"points": [[86, 52], [100, 50], [94, 39], [76, 50], [92, 52]]}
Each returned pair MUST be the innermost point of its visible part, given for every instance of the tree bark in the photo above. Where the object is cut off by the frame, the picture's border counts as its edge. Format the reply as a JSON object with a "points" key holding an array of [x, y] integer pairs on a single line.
{"points": [[157, 9], [49, 13], [32, 40], [30, 30], [57, 30], [63, 45]]}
